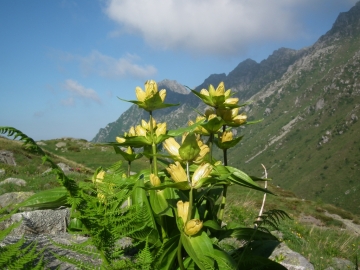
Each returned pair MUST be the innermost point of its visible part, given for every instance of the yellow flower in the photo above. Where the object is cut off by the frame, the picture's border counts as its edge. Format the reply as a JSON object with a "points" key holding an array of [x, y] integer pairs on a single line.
{"points": [[204, 149], [129, 150], [239, 119], [226, 136], [162, 94], [140, 131], [120, 140], [183, 209], [172, 146], [154, 180], [177, 172], [140, 94], [231, 100], [160, 129], [231, 117], [193, 226], [100, 176], [131, 132], [202, 171], [204, 92]]}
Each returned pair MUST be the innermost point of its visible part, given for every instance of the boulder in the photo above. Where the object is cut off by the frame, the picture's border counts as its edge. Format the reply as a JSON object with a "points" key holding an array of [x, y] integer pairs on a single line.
{"points": [[7, 157], [15, 181], [292, 260], [339, 264], [14, 198], [39, 222]]}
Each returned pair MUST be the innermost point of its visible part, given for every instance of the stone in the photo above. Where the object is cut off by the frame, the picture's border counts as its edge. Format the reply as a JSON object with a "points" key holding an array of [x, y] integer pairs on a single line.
{"points": [[15, 181], [39, 222], [340, 264], [7, 157], [14, 198], [60, 144], [292, 260], [64, 167]]}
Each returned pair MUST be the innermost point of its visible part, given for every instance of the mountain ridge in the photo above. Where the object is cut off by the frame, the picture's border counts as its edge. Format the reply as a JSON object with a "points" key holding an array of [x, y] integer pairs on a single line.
{"points": [[310, 102]]}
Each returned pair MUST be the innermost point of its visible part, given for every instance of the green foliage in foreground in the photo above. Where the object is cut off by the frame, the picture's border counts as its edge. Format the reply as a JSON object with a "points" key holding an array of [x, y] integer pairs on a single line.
{"points": [[174, 215]]}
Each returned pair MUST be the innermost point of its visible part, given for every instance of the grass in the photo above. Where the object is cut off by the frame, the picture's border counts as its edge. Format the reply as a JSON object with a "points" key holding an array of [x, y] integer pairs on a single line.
{"points": [[319, 244]]}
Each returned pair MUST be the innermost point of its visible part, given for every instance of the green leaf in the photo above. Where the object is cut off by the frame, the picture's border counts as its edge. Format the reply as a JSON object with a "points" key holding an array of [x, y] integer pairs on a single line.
{"points": [[159, 204], [206, 99], [168, 255], [47, 199], [198, 247], [180, 131], [184, 185], [189, 148], [223, 259], [228, 144], [214, 124], [212, 224], [127, 156]]}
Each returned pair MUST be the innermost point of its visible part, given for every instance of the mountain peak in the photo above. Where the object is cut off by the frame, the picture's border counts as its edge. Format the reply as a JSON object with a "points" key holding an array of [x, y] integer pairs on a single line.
{"points": [[174, 86]]}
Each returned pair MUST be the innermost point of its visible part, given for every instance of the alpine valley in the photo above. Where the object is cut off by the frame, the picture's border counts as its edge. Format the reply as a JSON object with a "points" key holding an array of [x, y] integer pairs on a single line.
{"points": [[309, 100]]}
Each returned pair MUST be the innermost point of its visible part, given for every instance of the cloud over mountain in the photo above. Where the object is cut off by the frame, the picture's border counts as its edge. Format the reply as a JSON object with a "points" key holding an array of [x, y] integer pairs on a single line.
{"points": [[213, 26]]}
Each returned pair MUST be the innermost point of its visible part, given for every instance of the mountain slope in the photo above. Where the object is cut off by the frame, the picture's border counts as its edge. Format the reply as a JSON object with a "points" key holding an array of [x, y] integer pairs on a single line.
{"points": [[310, 102]]}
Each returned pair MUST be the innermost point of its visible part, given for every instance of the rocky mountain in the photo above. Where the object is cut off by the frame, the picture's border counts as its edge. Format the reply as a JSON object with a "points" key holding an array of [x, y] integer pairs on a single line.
{"points": [[309, 100]]}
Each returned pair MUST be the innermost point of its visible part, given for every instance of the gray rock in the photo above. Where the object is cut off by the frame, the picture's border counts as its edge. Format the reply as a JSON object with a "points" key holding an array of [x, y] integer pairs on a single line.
{"points": [[340, 264], [64, 167], [60, 144], [39, 222], [15, 181], [7, 157], [293, 260], [14, 198]]}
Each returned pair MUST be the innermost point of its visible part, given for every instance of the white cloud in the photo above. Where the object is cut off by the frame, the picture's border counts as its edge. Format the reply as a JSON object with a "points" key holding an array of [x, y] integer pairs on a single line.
{"points": [[109, 67], [214, 26], [76, 90]]}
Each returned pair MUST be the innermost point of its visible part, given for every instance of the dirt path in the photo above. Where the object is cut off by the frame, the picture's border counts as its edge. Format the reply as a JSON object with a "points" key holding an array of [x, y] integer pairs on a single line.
{"points": [[350, 226]]}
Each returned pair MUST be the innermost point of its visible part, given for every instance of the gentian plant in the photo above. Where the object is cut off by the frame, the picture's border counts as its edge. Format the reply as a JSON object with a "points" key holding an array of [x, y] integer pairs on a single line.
{"points": [[173, 211]]}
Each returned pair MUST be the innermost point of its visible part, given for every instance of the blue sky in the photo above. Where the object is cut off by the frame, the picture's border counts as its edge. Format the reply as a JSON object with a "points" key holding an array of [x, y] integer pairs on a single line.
{"points": [[63, 63]]}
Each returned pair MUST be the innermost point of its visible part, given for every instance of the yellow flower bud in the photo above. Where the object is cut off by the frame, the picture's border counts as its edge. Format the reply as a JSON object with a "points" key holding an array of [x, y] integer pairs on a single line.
{"points": [[140, 94], [204, 92], [129, 150], [177, 172], [172, 146], [240, 119], [140, 131], [231, 100], [211, 116], [204, 149], [220, 90], [226, 136], [202, 171], [208, 111], [99, 177], [227, 93], [150, 88], [101, 197], [131, 132], [160, 129], [193, 226], [120, 140], [162, 94], [154, 180], [144, 124], [183, 209]]}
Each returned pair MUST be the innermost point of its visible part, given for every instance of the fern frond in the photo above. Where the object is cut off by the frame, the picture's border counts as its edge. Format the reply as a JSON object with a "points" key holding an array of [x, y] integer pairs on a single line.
{"points": [[145, 258], [75, 262], [29, 143], [271, 218]]}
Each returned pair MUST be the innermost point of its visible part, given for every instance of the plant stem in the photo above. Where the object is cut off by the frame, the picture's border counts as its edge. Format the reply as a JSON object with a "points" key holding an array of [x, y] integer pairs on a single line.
{"points": [[223, 199], [190, 204], [179, 256], [153, 146], [211, 139], [264, 199]]}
